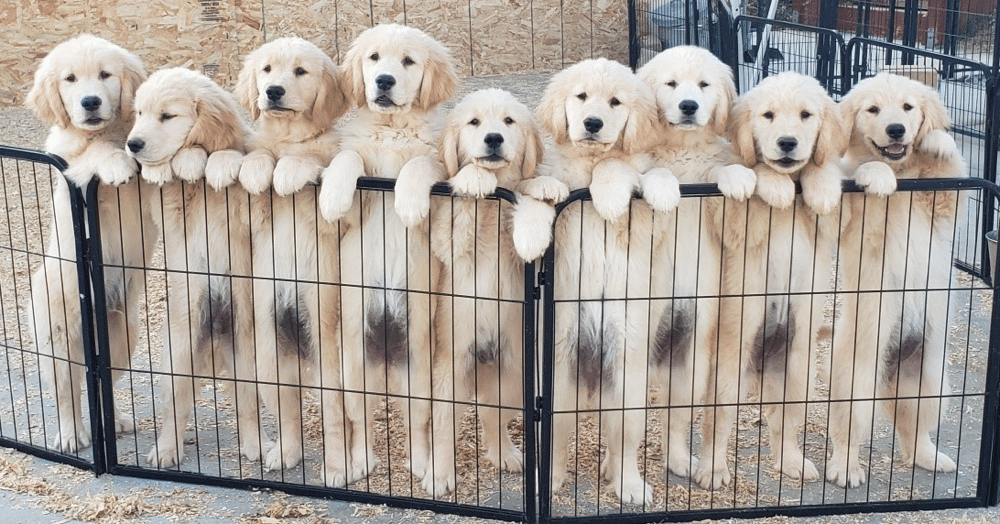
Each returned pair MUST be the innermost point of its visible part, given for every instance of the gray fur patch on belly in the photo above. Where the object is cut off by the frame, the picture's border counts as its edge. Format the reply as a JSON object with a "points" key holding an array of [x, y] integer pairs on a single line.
{"points": [[596, 349], [772, 340], [293, 329], [385, 337], [674, 334], [900, 349]]}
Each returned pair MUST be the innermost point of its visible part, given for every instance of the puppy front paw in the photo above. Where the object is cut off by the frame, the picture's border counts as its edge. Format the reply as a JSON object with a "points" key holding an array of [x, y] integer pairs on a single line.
{"points": [[159, 174], [544, 188], [412, 206], [293, 173], [736, 181], [473, 181], [531, 227], [776, 190], [223, 168], [939, 145], [189, 163], [877, 178], [821, 190], [660, 190], [256, 172], [117, 169]]}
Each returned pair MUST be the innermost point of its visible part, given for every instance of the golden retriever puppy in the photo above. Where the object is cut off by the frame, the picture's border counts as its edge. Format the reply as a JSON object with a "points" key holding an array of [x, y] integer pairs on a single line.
{"points": [[491, 140], [694, 94], [295, 91], [776, 265], [181, 117], [84, 87], [396, 75], [293, 88], [602, 119], [891, 344]]}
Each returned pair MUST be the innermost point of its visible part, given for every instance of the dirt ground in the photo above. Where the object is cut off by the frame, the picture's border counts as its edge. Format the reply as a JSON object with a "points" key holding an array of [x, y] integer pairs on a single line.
{"points": [[35, 490]]}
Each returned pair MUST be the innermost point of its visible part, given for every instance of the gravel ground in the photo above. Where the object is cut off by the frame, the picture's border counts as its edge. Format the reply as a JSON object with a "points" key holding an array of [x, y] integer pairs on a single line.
{"points": [[35, 490]]}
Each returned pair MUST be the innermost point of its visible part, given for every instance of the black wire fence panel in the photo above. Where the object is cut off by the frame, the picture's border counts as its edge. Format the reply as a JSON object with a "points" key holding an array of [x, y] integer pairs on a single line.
{"points": [[38, 266], [356, 359], [702, 363], [690, 364]]}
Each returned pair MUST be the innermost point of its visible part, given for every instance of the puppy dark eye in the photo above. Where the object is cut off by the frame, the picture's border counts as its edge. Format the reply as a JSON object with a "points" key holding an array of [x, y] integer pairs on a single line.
{"points": [[805, 115], [300, 71], [374, 57], [671, 84], [615, 102], [508, 121], [873, 110], [703, 84], [582, 96], [769, 115], [267, 69], [105, 75], [474, 122], [166, 116], [71, 78], [407, 61], [907, 107]]}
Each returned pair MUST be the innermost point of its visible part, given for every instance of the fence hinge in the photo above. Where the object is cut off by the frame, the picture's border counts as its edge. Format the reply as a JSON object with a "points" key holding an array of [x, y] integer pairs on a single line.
{"points": [[538, 285], [538, 409]]}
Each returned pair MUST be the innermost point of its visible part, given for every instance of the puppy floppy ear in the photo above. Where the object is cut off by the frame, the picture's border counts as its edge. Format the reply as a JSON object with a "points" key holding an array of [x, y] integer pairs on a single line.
{"points": [[934, 112], [331, 101], [133, 75], [353, 76], [741, 135], [246, 86], [551, 111], [44, 98], [727, 93], [643, 126], [833, 134], [448, 148], [848, 108], [440, 80], [533, 151], [217, 125]]}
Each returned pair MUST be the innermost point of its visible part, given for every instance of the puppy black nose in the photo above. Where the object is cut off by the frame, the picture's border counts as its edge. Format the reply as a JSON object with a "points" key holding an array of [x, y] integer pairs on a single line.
{"points": [[895, 131], [135, 145], [787, 143], [593, 125], [493, 140], [688, 107], [274, 93], [91, 103], [385, 82]]}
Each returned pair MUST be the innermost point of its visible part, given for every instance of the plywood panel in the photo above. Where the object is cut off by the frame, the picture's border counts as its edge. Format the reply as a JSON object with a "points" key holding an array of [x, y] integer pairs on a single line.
{"points": [[215, 35]]}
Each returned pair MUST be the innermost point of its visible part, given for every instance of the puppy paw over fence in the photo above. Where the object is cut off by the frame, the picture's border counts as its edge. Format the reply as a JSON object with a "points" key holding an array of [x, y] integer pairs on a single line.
{"points": [[778, 361]]}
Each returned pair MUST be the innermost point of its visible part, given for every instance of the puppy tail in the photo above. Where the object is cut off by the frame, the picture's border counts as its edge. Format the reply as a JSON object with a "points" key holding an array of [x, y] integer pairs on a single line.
{"points": [[531, 225]]}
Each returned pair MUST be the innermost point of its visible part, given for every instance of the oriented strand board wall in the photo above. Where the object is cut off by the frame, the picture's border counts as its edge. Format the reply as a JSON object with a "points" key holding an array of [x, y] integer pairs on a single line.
{"points": [[485, 36]]}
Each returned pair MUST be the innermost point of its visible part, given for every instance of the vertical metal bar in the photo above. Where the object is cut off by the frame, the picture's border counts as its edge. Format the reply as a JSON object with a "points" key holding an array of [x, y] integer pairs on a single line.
{"points": [[87, 294], [528, 394], [988, 486], [633, 37], [545, 399], [102, 400]]}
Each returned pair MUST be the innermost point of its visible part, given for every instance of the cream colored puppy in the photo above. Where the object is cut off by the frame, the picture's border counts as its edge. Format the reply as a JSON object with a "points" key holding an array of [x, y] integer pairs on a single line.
{"points": [[296, 92], [776, 268], [182, 117], [602, 119], [491, 140], [293, 88], [397, 75], [84, 87], [892, 344], [694, 94]]}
